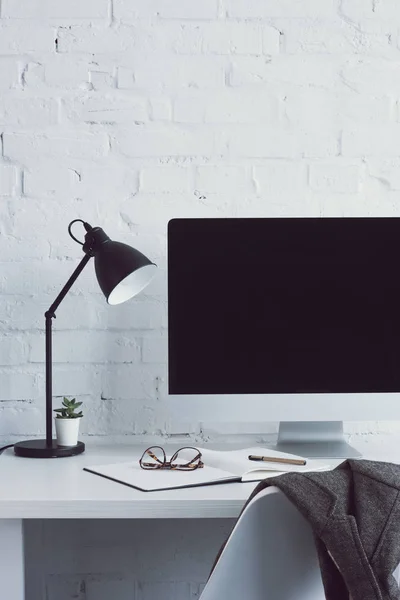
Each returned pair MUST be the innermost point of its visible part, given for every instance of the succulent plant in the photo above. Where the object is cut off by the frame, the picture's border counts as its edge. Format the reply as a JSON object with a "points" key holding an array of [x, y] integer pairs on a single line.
{"points": [[67, 411]]}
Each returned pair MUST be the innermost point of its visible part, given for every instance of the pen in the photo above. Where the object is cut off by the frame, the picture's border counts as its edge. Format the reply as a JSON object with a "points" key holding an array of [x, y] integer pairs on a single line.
{"points": [[285, 461]]}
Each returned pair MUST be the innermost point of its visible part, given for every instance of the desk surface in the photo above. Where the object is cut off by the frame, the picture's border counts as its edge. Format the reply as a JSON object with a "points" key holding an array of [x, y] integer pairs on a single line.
{"points": [[59, 488]]}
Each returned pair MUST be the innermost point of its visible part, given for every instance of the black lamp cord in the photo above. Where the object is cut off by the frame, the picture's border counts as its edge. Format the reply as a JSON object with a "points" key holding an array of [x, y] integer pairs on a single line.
{"points": [[86, 226], [5, 447]]}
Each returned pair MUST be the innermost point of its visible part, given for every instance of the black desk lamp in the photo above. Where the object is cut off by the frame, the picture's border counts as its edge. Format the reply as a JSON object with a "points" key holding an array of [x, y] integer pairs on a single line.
{"points": [[122, 272]]}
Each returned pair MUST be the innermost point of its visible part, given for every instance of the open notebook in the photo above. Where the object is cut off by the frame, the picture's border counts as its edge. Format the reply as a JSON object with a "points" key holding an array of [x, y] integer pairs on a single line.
{"points": [[219, 467]]}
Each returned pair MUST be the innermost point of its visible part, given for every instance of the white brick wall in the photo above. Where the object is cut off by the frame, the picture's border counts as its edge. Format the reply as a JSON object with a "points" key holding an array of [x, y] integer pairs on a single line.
{"points": [[129, 112], [9, 180], [55, 9]]}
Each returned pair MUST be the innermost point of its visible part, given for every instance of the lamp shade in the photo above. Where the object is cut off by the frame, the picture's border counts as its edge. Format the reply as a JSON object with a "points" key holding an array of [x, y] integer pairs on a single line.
{"points": [[122, 271]]}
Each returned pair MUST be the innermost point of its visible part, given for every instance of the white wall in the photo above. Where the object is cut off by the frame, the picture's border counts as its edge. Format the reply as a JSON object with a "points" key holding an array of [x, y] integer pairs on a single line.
{"points": [[129, 112]]}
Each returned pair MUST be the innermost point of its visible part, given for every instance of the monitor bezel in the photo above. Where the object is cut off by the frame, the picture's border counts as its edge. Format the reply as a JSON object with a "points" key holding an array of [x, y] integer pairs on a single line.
{"points": [[255, 408]]}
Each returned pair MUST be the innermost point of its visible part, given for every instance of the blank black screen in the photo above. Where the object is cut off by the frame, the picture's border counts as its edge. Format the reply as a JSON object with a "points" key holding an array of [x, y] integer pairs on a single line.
{"points": [[273, 306]]}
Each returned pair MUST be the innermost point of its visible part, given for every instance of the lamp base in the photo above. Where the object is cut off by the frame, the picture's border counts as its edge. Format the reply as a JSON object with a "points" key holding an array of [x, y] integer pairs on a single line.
{"points": [[40, 449]]}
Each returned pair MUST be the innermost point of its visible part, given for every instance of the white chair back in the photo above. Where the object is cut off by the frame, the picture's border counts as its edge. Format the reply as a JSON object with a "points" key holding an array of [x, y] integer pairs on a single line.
{"points": [[270, 555]]}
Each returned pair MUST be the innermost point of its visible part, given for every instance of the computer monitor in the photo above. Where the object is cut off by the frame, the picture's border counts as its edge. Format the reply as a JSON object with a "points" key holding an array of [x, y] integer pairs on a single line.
{"points": [[294, 320]]}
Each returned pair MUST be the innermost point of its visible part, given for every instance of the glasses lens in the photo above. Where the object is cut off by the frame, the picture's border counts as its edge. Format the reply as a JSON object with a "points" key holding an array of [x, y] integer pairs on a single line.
{"points": [[153, 458], [186, 459]]}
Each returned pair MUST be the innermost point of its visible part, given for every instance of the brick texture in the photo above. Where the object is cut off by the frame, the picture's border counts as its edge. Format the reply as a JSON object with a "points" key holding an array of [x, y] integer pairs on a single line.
{"points": [[127, 113]]}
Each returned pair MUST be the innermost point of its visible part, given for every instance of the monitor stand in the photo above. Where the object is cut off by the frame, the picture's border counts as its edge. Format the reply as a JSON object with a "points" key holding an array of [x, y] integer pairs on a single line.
{"points": [[314, 439]]}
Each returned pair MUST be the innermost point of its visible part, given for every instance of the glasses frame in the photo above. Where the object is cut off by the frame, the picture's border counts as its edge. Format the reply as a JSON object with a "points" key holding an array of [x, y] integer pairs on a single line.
{"points": [[195, 463]]}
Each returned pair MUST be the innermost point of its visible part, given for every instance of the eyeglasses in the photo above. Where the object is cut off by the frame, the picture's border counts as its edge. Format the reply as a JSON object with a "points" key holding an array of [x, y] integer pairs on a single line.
{"points": [[184, 459]]}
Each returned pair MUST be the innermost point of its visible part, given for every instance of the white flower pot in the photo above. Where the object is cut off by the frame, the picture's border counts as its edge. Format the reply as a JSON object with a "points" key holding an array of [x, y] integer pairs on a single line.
{"points": [[67, 431]]}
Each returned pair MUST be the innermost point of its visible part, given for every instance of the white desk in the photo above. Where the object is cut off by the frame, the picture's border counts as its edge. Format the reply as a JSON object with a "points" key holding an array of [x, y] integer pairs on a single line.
{"points": [[60, 489]]}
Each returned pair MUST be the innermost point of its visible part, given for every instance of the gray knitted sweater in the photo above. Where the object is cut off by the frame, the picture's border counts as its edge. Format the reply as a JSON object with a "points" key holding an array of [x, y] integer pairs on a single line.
{"points": [[354, 512]]}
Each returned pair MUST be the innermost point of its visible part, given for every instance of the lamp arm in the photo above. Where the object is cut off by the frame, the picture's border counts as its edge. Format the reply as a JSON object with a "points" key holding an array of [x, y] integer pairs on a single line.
{"points": [[51, 311], [50, 315]]}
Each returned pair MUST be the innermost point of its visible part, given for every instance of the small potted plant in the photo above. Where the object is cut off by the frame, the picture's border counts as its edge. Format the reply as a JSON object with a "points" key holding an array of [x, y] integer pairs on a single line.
{"points": [[67, 422]]}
